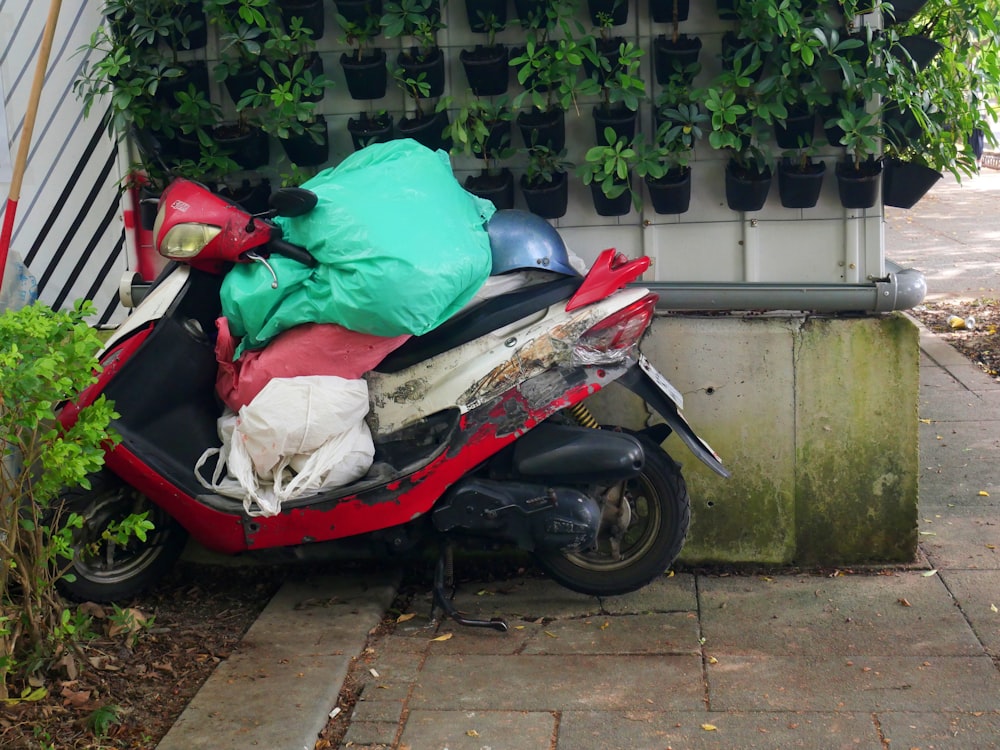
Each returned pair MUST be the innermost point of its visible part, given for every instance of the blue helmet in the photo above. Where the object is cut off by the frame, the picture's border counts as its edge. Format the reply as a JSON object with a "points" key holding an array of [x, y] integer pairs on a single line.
{"points": [[522, 241]]}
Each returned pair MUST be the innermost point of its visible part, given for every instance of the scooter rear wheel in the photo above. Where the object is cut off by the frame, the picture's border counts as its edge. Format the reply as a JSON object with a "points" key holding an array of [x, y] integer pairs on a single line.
{"points": [[660, 512], [104, 570]]}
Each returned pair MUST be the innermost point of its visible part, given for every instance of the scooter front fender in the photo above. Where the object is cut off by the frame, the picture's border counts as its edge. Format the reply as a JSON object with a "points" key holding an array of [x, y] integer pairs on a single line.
{"points": [[642, 379]]}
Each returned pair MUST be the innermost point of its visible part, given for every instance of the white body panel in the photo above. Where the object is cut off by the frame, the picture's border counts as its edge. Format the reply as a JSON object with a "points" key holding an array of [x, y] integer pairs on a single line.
{"points": [[481, 369]]}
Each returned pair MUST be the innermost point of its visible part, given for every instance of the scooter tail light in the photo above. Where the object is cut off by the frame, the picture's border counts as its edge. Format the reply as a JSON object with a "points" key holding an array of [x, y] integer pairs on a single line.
{"points": [[615, 338]]}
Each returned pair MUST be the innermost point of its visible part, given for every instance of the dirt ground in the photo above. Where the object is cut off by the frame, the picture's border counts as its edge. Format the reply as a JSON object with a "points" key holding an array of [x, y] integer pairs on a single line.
{"points": [[969, 326]]}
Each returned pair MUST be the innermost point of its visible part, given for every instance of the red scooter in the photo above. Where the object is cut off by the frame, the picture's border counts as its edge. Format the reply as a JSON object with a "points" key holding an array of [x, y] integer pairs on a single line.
{"points": [[497, 448]]}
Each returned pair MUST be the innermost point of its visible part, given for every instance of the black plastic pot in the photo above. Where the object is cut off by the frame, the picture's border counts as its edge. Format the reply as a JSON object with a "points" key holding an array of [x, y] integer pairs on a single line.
{"points": [[671, 194], [193, 16], [195, 74], [310, 11], [663, 10], [498, 138], [726, 9], [902, 11], [306, 152], [746, 190], [486, 69], [478, 10], [432, 66], [858, 188], [605, 206], [622, 121], [905, 183], [366, 78], [921, 48], [800, 188], [243, 80], [618, 11], [356, 11], [498, 188], [529, 9], [368, 130], [670, 58], [251, 195], [427, 130], [250, 148], [543, 128], [547, 199], [797, 130]]}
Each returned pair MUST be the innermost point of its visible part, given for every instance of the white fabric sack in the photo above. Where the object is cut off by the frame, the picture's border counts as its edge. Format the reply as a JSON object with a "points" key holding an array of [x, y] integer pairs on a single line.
{"points": [[298, 436]]}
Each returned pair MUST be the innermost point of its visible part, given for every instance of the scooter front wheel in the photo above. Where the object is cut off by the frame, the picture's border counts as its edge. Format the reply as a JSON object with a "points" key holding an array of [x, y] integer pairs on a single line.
{"points": [[636, 543], [104, 570]]}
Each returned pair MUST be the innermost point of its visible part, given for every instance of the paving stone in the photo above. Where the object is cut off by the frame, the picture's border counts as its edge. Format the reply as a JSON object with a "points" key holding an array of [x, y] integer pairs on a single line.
{"points": [[556, 683], [941, 731], [978, 594], [857, 683], [904, 614], [477, 730], [675, 633], [645, 730], [361, 733], [964, 538]]}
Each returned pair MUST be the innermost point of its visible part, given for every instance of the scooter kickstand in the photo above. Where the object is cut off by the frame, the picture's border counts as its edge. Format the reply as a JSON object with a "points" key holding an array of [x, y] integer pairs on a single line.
{"points": [[442, 600]]}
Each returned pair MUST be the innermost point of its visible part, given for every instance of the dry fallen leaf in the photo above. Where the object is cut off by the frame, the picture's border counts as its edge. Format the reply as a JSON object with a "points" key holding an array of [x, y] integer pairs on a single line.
{"points": [[904, 602], [606, 625], [709, 727], [712, 660], [983, 493], [929, 573], [993, 608], [445, 637], [407, 617], [472, 733]]}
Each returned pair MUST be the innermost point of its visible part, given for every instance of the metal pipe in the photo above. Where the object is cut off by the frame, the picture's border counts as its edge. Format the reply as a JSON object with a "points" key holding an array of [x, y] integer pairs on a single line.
{"points": [[901, 289]]}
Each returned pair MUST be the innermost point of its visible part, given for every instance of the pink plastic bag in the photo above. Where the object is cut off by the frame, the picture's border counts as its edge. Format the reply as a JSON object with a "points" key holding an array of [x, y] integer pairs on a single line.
{"points": [[310, 349]]}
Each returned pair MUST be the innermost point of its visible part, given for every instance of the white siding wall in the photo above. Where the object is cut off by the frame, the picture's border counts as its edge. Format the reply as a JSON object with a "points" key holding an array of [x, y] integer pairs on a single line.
{"points": [[68, 223]]}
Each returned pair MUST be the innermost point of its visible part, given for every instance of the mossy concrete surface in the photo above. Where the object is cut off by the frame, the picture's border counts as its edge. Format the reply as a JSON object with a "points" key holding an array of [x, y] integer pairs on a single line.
{"points": [[816, 418]]}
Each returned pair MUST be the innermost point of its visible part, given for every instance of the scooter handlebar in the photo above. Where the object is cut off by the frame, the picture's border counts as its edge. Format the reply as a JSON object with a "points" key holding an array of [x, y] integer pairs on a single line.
{"points": [[294, 252]]}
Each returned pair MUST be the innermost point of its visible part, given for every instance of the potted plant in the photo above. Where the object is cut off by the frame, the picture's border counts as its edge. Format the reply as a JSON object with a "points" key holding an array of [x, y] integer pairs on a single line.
{"points": [[549, 70], [858, 173], [365, 67], [545, 182], [483, 15], [616, 11], [669, 187], [617, 82], [739, 121], [241, 45], [608, 172], [369, 128], [426, 127], [677, 55], [485, 66], [800, 177], [419, 21], [290, 57], [482, 130]]}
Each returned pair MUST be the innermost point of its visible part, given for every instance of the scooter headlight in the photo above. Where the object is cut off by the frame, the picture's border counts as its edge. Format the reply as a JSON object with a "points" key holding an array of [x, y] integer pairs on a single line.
{"points": [[186, 240]]}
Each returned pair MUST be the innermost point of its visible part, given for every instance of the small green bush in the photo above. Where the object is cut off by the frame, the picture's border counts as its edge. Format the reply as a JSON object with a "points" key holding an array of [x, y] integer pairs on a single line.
{"points": [[46, 358]]}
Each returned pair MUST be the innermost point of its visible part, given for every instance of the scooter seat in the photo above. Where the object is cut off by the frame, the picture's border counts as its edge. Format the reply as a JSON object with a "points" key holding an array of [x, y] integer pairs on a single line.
{"points": [[479, 320]]}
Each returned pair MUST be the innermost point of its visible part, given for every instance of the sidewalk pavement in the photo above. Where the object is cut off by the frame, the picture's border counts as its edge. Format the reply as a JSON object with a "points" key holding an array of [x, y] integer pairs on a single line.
{"points": [[907, 657]]}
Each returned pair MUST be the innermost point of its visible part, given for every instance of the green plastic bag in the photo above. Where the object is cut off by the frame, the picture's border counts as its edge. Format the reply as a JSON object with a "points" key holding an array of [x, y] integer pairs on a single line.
{"points": [[401, 247]]}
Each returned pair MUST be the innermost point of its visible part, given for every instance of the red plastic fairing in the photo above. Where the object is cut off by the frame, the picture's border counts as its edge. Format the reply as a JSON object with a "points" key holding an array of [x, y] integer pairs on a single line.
{"points": [[611, 271], [215, 530], [111, 363]]}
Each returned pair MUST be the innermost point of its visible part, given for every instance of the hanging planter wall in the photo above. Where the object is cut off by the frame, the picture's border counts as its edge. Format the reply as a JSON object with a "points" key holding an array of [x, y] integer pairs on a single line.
{"points": [[498, 188], [617, 10], [310, 11], [304, 150], [543, 128], [622, 121], [478, 10], [427, 130], [605, 206], [663, 10]]}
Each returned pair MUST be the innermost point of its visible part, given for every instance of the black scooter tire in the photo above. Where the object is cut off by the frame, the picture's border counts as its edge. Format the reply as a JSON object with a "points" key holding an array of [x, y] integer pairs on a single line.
{"points": [[104, 572], [661, 510]]}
